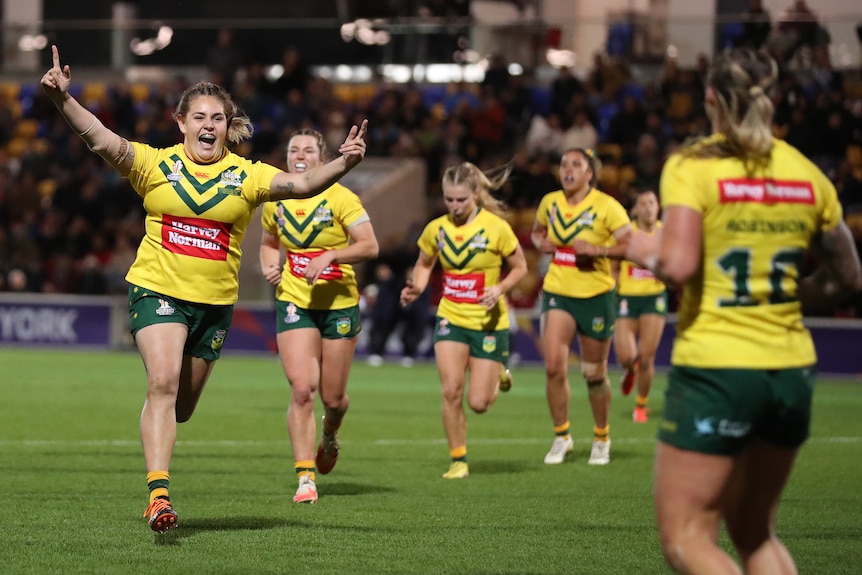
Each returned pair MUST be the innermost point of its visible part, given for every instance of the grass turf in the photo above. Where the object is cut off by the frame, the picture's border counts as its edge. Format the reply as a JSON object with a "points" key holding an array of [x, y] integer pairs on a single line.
{"points": [[75, 485]]}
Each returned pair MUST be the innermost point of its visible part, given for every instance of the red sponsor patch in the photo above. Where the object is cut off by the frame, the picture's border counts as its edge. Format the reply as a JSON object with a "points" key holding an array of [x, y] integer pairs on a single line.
{"points": [[298, 261], [637, 273], [765, 191], [463, 288], [565, 257], [196, 237]]}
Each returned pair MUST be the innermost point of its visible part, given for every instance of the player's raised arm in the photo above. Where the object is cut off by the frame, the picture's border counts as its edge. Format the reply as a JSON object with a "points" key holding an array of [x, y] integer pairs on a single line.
{"points": [[288, 185], [114, 149]]}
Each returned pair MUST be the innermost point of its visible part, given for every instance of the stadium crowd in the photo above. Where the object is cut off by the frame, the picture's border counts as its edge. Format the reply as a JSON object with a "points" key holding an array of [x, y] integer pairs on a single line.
{"points": [[69, 224]]}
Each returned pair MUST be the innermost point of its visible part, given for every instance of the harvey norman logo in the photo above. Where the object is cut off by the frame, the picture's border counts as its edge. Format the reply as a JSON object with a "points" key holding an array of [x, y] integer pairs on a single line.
{"points": [[765, 191]]}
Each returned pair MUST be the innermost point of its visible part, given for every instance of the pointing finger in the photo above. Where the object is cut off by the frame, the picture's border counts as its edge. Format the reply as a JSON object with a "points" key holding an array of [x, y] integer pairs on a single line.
{"points": [[56, 55]]}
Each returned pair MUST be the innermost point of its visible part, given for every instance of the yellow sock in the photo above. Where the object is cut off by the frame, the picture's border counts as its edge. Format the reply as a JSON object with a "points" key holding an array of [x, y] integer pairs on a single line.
{"points": [[641, 401], [562, 430], [458, 453], [601, 433], [305, 467], [157, 482]]}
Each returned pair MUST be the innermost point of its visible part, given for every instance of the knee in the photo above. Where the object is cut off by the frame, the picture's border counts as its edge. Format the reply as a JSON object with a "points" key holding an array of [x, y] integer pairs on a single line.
{"points": [[336, 403], [596, 377], [161, 384], [480, 405], [747, 535], [302, 395]]}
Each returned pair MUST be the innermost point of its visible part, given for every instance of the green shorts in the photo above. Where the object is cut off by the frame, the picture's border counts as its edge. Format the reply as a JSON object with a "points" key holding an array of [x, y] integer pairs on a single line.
{"points": [[492, 345], [331, 323], [594, 316], [634, 306], [718, 411], [208, 324]]}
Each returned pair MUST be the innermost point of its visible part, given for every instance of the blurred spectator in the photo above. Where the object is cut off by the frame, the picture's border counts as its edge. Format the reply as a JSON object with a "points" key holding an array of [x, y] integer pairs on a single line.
{"points": [[756, 26], [563, 89], [800, 28], [295, 74], [582, 134], [224, 60], [545, 135], [387, 315]]}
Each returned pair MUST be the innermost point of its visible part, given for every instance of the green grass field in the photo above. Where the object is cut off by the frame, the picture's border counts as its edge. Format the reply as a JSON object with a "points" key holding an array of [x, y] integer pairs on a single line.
{"points": [[74, 481]]}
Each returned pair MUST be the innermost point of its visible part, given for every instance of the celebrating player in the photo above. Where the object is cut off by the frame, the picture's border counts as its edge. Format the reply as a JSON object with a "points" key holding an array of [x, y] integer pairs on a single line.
{"points": [[199, 199]]}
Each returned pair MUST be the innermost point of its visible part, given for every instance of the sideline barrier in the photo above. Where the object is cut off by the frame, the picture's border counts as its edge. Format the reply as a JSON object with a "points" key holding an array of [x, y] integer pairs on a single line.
{"points": [[101, 322]]}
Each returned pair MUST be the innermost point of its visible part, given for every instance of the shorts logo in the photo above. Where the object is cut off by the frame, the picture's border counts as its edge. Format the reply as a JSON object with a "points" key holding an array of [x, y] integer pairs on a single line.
{"points": [[660, 304], [552, 302], [704, 426], [624, 307], [489, 343], [342, 325], [598, 323], [443, 327], [165, 308], [291, 316], [218, 339]]}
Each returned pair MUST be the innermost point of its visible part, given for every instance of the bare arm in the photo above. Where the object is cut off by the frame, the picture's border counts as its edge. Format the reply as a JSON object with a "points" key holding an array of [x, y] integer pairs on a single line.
{"points": [[539, 237], [680, 245], [286, 185], [517, 264], [616, 252], [110, 146], [363, 246], [421, 274], [840, 272], [270, 257]]}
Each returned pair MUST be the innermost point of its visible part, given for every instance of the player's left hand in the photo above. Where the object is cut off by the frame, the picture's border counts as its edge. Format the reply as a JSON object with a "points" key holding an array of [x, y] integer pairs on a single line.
{"points": [[317, 266], [491, 296], [586, 249], [353, 148]]}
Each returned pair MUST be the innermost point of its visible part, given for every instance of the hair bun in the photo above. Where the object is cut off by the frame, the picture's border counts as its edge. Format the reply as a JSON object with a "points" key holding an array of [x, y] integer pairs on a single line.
{"points": [[755, 91]]}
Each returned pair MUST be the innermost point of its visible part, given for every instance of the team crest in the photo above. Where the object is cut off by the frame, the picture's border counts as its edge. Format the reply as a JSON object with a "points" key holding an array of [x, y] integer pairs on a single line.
{"points": [[342, 325], [598, 323], [230, 180], [660, 304], [443, 327], [291, 316], [479, 242], [624, 307], [218, 339], [165, 308], [176, 175], [322, 218], [489, 343], [587, 219]]}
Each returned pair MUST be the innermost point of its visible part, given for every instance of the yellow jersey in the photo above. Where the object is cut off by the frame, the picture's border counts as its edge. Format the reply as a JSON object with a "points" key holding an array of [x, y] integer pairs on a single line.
{"points": [[594, 219], [196, 218], [741, 309], [306, 228], [471, 256], [635, 280]]}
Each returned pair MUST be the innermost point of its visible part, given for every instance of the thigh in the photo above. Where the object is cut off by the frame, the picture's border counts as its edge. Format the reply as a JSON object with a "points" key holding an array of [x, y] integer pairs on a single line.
{"points": [[625, 339], [336, 359], [453, 358], [558, 334], [300, 353], [688, 489], [484, 379], [651, 327], [161, 348], [594, 350]]}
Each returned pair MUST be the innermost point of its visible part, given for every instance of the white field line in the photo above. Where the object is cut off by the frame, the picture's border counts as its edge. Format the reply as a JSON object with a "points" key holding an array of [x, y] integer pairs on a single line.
{"points": [[377, 442]]}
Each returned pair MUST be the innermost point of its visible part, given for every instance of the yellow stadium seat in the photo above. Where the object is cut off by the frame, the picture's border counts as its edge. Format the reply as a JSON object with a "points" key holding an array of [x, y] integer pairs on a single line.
{"points": [[26, 129], [140, 92], [16, 147], [10, 90], [95, 92]]}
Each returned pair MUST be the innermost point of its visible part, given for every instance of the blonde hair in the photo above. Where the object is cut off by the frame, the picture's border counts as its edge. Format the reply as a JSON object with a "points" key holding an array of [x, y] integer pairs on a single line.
{"points": [[741, 80], [470, 176], [239, 126]]}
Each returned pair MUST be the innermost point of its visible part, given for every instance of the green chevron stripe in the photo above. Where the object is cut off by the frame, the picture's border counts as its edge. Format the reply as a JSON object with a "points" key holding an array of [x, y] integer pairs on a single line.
{"points": [[200, 188]]}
